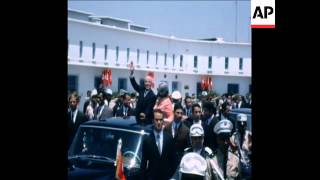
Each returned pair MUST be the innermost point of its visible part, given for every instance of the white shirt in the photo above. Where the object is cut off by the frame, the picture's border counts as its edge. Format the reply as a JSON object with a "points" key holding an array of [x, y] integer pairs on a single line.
{"points": [[160, 139]]}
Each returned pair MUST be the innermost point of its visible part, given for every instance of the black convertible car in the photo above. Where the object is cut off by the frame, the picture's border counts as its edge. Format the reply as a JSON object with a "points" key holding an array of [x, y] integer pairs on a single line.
{"points": [[93, 151]]}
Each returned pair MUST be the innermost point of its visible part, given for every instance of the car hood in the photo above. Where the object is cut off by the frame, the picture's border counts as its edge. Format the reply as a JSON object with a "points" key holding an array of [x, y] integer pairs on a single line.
{"points": [[94, 174]]}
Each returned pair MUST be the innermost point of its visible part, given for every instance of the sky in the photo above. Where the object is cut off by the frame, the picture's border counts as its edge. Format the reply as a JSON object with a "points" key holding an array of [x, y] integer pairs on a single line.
{"points": [[227, 19]]}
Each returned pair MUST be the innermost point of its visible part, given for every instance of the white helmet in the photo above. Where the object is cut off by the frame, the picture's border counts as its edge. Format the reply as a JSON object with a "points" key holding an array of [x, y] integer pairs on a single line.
{"points": [[94, 92], [196, 130], [242, 117], [193, 163], [223, 126], [176, 95]]}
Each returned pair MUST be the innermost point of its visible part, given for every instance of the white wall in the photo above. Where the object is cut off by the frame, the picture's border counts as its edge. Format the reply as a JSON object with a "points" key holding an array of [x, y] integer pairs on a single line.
{"points": [[102, 35]]}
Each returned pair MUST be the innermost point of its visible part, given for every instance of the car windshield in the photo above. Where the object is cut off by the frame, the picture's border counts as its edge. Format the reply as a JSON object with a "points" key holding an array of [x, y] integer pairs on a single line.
{"points": [[101, 142]]}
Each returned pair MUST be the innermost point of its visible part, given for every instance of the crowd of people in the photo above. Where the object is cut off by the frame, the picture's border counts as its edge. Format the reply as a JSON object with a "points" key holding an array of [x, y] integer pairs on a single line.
{"points": [[185, 131]]}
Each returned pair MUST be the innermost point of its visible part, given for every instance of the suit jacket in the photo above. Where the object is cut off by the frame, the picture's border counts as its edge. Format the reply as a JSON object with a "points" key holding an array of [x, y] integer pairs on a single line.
{"points": [[153, 165], [181, 140], [118, 112], [106, 113], [210, 138], [144, 104], [73, 126]]}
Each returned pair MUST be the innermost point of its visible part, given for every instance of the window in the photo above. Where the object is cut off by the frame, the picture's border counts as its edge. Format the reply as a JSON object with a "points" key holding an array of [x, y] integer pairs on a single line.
{"points": [[226, 63], [156, 58], [233, 88], [117, 53], [122, 84], [72, 83], [240, 63], [81, 44], [173, 58], [210, 62], [93, 50], [165, 59], [147, 57], [181, 60], [128, 54], [138, 55], [68, 46], [250, 91], [195, 61], [175, 85], [97, 82], [105, 52]]}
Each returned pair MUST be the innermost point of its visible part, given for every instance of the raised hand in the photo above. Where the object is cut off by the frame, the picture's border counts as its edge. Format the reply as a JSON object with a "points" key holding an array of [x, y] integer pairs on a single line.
{"points": [[131, 68]]}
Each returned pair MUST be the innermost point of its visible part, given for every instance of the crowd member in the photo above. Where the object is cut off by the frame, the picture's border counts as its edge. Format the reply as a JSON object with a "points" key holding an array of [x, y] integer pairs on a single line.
{"points": [[75, 116], [124, 109], [158, 151], [203, 98], [195, 117], [176, 98], [242, 140], [87, 101], [164, 102], [93, 105], [225, 109], [133, 102], [209, 121], [146, 99], [239, 102], [197, 141], [227, 161], [103, 111], [187, 106], [179, 132]]}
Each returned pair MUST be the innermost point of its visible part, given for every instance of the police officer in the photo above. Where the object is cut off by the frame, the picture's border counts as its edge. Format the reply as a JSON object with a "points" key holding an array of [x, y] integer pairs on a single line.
{"points": [[227, 161], [196, 140], [241, 139], [193, 167]]}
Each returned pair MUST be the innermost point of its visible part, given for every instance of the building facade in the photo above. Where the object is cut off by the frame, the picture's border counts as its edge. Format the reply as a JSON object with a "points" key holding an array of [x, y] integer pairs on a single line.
{"points": [[96, 43]]}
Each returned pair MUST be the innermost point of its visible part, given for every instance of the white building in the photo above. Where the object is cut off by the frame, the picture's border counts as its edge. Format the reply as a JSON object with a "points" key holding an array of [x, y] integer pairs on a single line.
{"points": [[96, 42]]}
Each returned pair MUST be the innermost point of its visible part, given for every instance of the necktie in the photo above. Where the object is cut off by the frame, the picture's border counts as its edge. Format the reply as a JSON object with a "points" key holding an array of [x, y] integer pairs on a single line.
{"points": [[71, 116], [158, 143], [175, 130]]}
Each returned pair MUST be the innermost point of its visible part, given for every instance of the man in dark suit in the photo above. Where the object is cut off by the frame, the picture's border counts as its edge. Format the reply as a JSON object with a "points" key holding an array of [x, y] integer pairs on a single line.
{"points": [[103, 111], [210, 120], [158, 152], [179, 132], [195, 117], [75, 117], [124, 110], [146, 100]]}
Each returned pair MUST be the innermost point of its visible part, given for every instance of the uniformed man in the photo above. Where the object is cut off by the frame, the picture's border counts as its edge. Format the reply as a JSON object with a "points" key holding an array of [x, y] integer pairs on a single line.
{"points": [[193, 167], [241, 139], [196, 139], [227, 161]]}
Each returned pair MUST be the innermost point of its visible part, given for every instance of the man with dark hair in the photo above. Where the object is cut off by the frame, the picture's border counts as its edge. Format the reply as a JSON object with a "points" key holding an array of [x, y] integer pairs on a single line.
{"points": [[75, 116], [209, 121], [124, 110], [158, 151], [195, 117], [179, 132], [188, 106], [103, 111], [146, 100]]}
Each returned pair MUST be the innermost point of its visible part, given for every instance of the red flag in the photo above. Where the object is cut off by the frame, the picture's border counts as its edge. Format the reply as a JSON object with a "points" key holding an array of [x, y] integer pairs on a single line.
{"points": [[119, 163], [107, 77]]}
